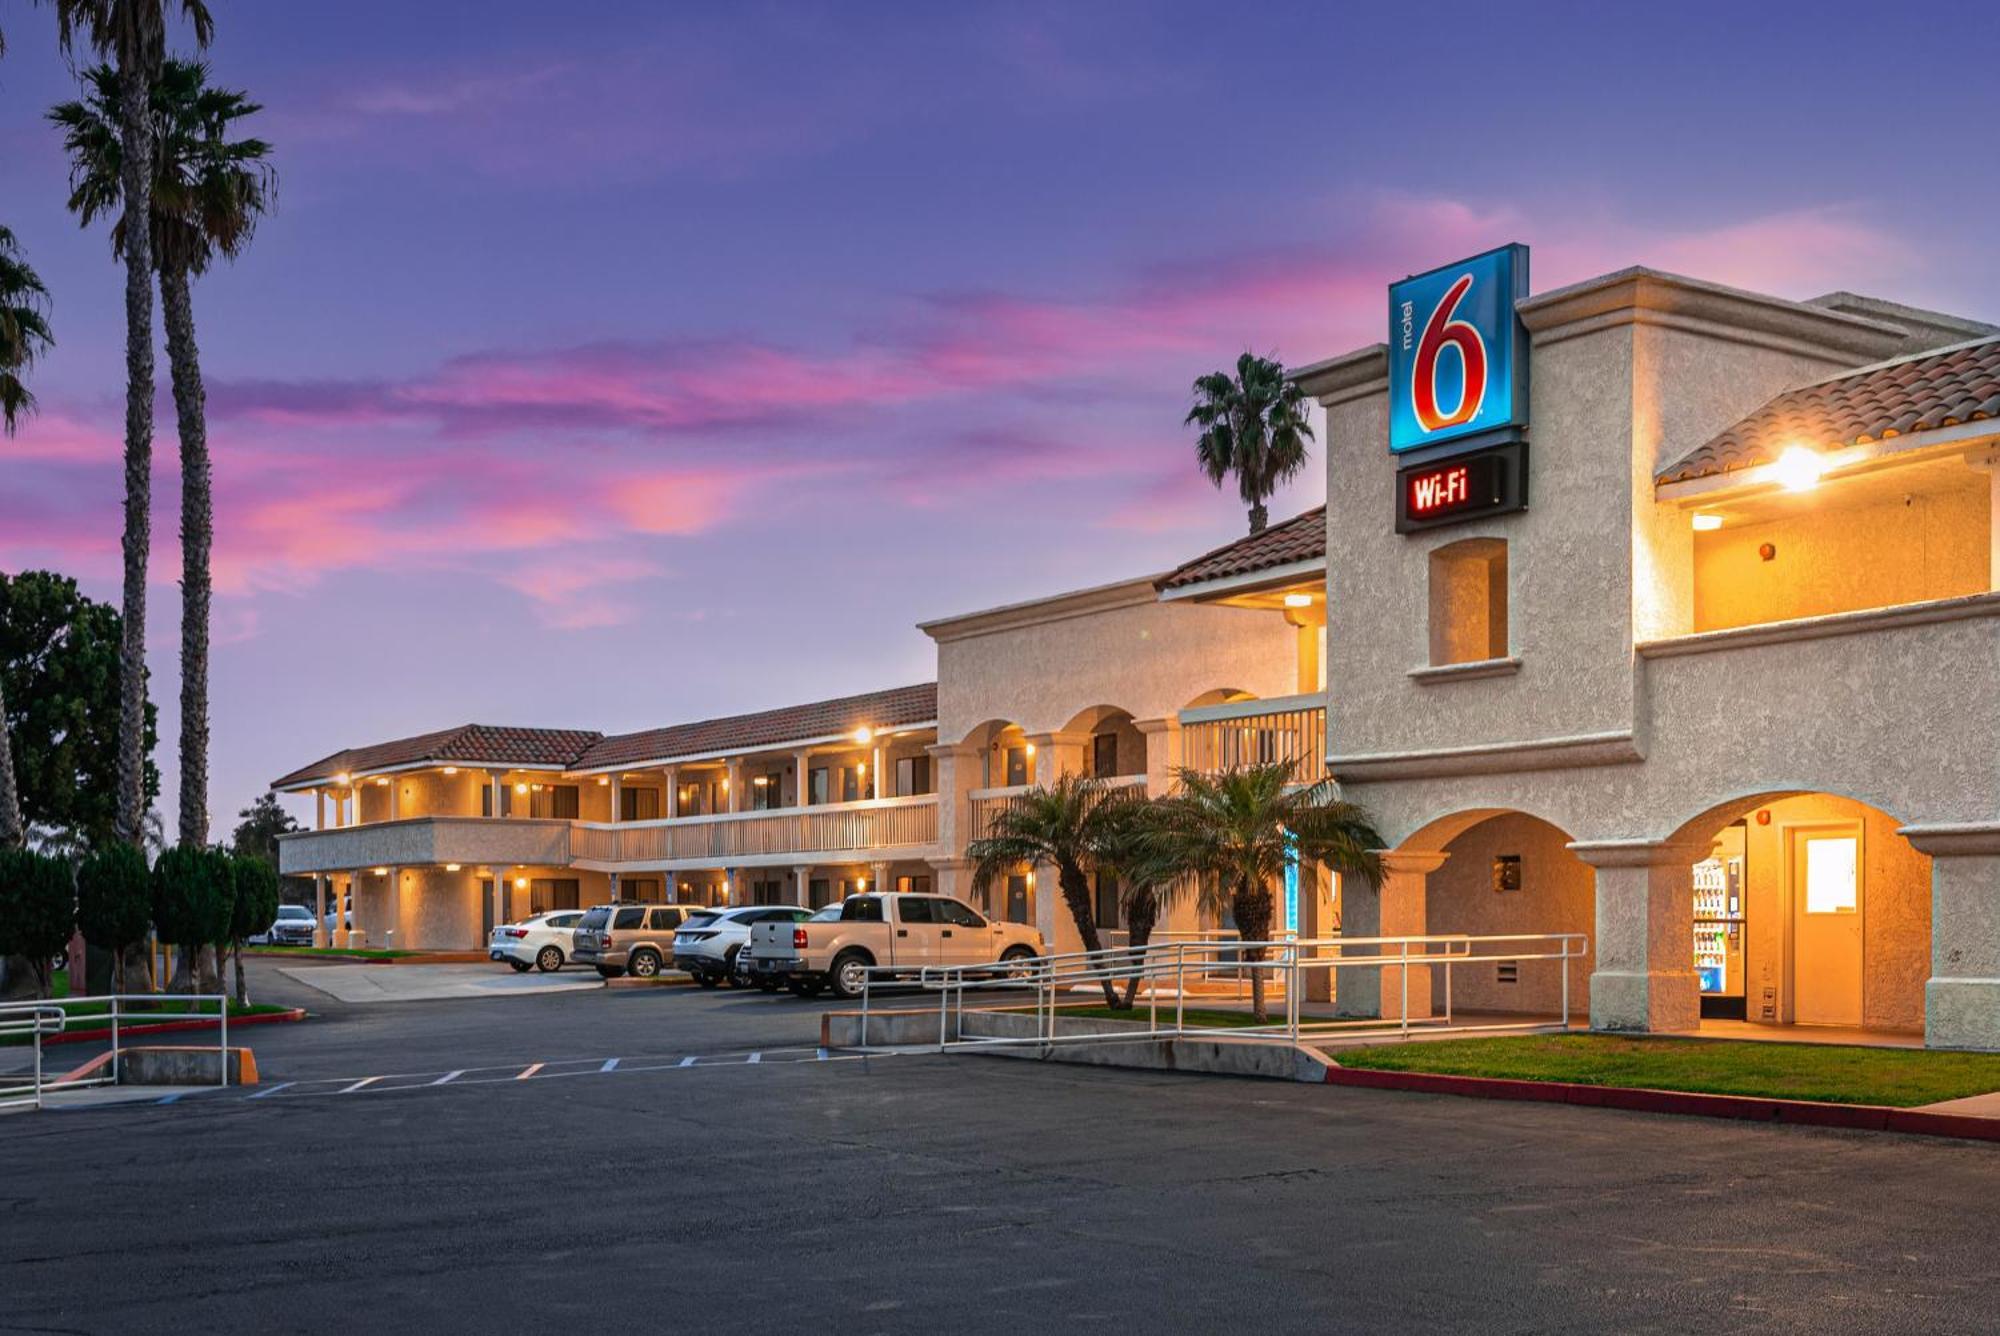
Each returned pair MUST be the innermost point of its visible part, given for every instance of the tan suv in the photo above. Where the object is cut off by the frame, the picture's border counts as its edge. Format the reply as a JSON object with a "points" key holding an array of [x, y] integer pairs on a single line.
{"points": [[622, 937]]}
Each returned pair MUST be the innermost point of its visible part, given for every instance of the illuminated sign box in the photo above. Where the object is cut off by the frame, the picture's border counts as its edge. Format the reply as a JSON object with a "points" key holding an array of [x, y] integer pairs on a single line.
{"points": [[1458, 355], [1493, 481]]}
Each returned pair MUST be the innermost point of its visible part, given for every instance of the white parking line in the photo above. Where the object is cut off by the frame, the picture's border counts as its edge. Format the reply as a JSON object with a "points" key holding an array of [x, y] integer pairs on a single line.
{"points": [[272, 1090], [754, 1057], [449, 1077], [610, 1065], [688, 1061], [364, 1081], [530, 1071]]}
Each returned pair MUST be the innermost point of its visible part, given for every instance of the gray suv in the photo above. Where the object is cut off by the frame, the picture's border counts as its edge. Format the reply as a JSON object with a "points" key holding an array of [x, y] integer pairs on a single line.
{"points": [[622, 937]]}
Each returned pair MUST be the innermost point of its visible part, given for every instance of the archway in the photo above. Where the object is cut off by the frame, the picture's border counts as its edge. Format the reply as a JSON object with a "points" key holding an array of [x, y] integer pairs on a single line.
{"points": [[1112, 745], [1809, 909]]}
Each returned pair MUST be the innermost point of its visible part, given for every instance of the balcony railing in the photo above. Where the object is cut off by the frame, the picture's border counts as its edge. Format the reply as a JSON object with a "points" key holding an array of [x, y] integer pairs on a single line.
{"points": [[426, 840], [1215, 738], [888, 823], [989, 803]]}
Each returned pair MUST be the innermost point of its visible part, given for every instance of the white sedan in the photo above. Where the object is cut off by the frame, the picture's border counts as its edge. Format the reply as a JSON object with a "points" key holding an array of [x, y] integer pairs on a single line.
{"points": [[541, 941]]}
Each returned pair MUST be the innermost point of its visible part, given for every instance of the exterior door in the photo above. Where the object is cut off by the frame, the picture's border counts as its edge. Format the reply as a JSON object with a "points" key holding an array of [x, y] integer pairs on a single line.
{"points": [[1826, 895], [919, 936]]}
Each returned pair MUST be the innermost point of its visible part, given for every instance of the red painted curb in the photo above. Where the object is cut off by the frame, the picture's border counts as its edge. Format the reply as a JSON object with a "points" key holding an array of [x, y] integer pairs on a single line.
{"points": [[103, 1032], [1799, 1112]]}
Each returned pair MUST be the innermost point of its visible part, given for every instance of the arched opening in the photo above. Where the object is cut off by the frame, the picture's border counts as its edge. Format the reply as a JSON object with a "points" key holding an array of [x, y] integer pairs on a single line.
{"points": [[1002, 760], [1004, 756], [1113, 747], [1218, 696], [1507, 873], [1810, 910]]}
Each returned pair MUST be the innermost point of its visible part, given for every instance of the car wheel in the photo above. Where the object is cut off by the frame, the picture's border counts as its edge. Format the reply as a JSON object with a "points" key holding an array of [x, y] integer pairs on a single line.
{"points": [[707, 980], [608, 972], [549, 959], [729, 968], [848, 975], [644, 964], [1020, 958], [520, 966]]}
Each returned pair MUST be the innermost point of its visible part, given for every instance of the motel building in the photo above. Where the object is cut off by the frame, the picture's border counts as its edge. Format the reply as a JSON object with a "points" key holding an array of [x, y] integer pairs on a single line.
{"points": [[1644, 609]]}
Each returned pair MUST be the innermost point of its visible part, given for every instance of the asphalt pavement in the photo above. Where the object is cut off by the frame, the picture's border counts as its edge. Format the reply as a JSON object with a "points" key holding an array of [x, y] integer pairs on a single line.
{"points": [[661, 1157]]}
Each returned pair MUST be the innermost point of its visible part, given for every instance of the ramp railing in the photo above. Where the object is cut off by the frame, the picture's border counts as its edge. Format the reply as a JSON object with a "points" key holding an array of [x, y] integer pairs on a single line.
{"points": [[108, 1016]]}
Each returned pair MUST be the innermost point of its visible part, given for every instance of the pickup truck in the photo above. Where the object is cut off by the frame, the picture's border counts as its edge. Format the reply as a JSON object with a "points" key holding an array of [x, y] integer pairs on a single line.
{"points": [[904, 932]]}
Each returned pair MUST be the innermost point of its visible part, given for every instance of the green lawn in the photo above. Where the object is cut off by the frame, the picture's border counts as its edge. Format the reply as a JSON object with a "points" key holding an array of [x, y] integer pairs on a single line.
{"points": [[1198, 1016], [1901, 1077], [96, 1015], [336, 952]]}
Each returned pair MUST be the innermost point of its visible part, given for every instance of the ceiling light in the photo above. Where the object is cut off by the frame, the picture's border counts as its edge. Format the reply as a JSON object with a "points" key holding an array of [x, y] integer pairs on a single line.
{"points": [[381, 871], [1707, 523], [451, 770], [1799, 469], [520, 788], [382, 783], [520, 883], [602, 780], [451, 867], [1298, 600], [341, 780], [864, 736]]}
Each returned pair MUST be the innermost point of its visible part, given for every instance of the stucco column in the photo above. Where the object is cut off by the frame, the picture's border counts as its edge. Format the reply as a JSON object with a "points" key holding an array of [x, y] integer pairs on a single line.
{"points": [[1962, 999], [1645, 977], [671, 807], [319, 809], [1990, 463], [617, 787], [953, 877], [802, 884], [881, 787], [1163, 753], [801, 769], [733, 777], [342, 935], [496, 782], [880, 873], [392, 907], [1056, 755], [320, 935], [1316, 923], [395, 797], [499, 897], [1396, 908]]}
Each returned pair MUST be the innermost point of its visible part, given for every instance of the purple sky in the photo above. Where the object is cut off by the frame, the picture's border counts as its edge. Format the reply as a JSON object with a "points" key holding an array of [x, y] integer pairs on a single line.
{"points": [[612, 364]]}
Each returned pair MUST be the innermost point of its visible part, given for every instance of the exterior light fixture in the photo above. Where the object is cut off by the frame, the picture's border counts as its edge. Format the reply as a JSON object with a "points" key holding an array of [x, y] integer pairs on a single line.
{"points": [[381, 871], [520, 788], [451, 867], [451, 770], [761, 780], [381, 782], [1031, 749], [1707, 523], [1799, 468], [340, 780], [1298, 600], [861, 883], [520, 883], [864, 736], [602, 780]]}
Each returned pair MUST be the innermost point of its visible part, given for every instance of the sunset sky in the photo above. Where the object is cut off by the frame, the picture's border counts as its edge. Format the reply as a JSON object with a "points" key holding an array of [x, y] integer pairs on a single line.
{"points": [[611, 364]]}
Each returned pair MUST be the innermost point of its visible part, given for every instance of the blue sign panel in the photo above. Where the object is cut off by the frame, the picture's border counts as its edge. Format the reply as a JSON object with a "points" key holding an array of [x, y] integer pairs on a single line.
{"points": [[1458, 363], [1291, 882]]}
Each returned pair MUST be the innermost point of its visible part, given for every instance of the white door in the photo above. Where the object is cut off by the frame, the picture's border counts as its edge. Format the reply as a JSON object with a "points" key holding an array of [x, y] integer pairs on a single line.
{"points": [[1826, 891]]}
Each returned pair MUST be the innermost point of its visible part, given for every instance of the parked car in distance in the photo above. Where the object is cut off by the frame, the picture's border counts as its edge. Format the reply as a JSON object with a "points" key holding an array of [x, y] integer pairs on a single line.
{"points": [[292, 927], [622, 937], [900, 932], [708, 944], [541, 941]]}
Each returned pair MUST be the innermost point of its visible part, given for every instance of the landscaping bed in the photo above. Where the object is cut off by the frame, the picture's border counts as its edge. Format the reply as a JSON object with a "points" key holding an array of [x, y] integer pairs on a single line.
{"points": [[88, 1020], [331, 953], [1826, 1073]]}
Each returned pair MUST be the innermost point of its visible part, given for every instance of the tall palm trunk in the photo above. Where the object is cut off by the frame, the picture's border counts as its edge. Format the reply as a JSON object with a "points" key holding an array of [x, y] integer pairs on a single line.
{"points": [[136, 184], [1076, 894], [197, 534], [1142, 912], [12, 833], [1251, 908]]}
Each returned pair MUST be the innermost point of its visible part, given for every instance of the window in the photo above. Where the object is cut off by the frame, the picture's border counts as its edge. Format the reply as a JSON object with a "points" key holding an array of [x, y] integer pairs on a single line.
{"points": [[821, 893], [562, 920], [547, 893], [767, 892], [767, 792], [958, 915], [921, 884], [1833, 881], [638, 804], [1468, 600], [1017, 766], [913, 775], [664, 920], [916, 909], [818, 781], [850, 784], [861, 909], [553, 801], [646, 890], [1107, 900], [629, 919], [1104, 756]]}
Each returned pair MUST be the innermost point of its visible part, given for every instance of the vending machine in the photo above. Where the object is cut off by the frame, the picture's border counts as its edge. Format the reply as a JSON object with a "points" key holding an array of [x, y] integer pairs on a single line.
{"points": [[1719, 890]]}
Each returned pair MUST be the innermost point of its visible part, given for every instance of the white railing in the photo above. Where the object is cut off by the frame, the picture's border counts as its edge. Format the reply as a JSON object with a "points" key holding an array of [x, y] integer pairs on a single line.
{"points": [[878, 823], [38, 1019], [1215, 738], [1167, 968]]}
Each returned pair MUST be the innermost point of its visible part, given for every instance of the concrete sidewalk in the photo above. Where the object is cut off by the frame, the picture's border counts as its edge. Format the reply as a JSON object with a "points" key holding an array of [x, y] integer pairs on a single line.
{"points": [[431, 983]]}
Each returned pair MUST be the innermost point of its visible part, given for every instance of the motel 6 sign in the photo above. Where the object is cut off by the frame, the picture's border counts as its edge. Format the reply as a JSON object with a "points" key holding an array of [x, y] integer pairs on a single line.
{"points": [[1458, 390]]}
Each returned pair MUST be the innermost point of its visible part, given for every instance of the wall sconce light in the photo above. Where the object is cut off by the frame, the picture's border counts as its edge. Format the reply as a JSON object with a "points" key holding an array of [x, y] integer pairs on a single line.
{"points": [[1707, 523], [1799, 468], [864, 736], [602, 780], [342, 780], [520, 883], [1298, 600], [520, 788], [381, 871], [451, 867], [381, 783], [451, 770]]}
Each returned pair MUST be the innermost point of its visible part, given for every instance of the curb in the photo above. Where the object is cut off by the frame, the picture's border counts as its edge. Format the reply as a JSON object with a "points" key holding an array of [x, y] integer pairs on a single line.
{"points": [[1746, 1108], [98, 1034]]}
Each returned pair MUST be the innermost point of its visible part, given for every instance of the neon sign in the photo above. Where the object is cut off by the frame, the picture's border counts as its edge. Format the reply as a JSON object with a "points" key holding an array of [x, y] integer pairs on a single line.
{"points": [[1493, 481], [1457, 355]]}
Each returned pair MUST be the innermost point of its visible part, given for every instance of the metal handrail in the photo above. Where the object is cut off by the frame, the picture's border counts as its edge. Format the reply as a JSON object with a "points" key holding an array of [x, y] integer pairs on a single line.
{"points": [[51, 1016], [1287, 961]]}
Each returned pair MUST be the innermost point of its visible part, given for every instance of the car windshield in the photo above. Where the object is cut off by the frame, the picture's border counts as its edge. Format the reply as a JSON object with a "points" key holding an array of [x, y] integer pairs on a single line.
{"points": [[294, 912], [596, 918], [701, 920], [831, 914]]}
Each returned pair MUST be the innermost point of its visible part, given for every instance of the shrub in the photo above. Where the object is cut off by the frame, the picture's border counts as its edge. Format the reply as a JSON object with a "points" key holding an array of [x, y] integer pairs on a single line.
{"points": [[37, 909], [114, 900], [194, 897]]}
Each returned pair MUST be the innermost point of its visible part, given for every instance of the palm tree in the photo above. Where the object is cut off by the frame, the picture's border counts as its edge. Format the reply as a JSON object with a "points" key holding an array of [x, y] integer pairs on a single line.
{"points": [[208, 193], [1148, 882], [24, 335], [1253, 424], [133, 34], [1068, 825], [1242, 827]]}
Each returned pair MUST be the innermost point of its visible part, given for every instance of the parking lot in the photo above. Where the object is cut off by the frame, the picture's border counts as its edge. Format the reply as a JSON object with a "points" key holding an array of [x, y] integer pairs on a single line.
{"points": [[654, 1157]]}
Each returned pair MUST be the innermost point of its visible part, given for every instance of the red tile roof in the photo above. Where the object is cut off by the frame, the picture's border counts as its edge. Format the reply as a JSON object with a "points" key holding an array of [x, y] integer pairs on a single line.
{"points": [[898, 707], [1302, 538], [1876, 403], [471, 744]]}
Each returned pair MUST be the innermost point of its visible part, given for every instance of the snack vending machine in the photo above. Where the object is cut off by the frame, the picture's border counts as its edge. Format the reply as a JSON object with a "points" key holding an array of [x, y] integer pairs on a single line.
{"points": [[1719, 890]]}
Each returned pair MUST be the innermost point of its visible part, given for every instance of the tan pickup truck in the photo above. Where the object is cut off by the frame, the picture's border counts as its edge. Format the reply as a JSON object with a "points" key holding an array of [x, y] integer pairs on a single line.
{"points": [[902, 932]]}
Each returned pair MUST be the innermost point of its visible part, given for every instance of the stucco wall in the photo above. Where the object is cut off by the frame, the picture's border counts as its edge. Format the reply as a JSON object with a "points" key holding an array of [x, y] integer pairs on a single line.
{"points": [[1557, 895], [1148, 658]]}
